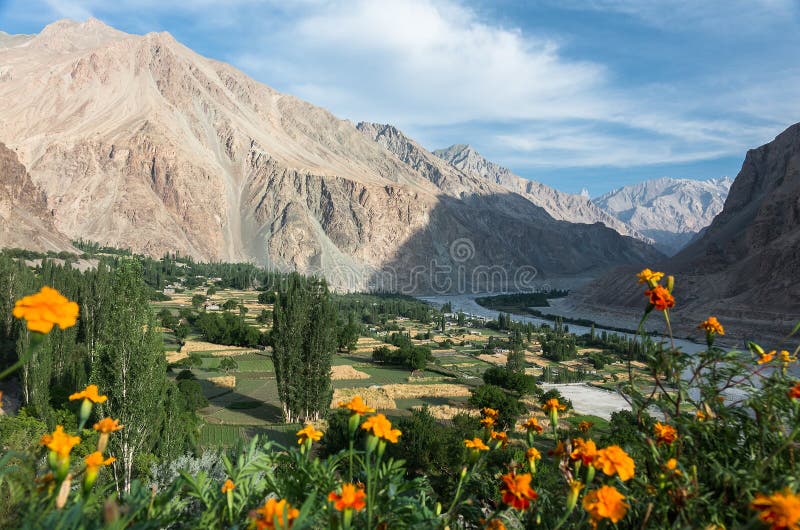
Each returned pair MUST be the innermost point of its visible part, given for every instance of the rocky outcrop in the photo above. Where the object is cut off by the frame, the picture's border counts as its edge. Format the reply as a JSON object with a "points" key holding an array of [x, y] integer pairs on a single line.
{"points": [[559, 205], [25, 221], [670, 211], [138, 142]]}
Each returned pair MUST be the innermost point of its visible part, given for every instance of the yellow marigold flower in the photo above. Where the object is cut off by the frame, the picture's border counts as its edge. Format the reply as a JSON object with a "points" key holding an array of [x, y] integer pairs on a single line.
{"points": [[107, 425], [90, 393], [553, 405], [575, 487], [352, 498], [781, 510], [605, 503], [381, 428], [95, 461], [585, 451], [488, 422], [660, 298], [712, 325], [532, 424], [613, 459], [476, 444], [787, 357], [46, 309], [766, 357], [228, 486], [649, 277], [489, 412], [665, 434], [517, 491], [308, 433], [794, 392], [273, 510], [60, 442], [500, 436], [532, 455], [356, 406], [585, 426]]}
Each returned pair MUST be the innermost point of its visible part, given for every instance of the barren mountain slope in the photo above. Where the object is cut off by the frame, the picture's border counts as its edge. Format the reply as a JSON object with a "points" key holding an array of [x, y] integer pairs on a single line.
{"points": [[671, 211], [744, 266], [560, 205], [24, 219], [139, 142]]}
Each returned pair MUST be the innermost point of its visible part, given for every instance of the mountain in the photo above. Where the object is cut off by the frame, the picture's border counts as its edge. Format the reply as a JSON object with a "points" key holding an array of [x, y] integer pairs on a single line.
{"points": [[744, 267], [670, 211], [25, 221], [138, 142], [560, 205]]}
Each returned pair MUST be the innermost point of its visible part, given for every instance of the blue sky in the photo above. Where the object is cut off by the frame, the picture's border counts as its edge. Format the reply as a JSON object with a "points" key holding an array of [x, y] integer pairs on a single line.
{"points": [[574, 93]]}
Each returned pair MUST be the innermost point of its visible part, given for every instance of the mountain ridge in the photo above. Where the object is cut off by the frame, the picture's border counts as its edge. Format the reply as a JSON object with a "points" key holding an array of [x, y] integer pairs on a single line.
{"points": [[139, 142], [671, 211]]}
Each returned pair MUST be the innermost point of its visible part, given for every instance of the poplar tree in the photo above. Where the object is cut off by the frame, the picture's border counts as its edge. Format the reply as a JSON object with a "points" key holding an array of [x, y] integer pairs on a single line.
{"points": [[131, 370], [303, 342]]}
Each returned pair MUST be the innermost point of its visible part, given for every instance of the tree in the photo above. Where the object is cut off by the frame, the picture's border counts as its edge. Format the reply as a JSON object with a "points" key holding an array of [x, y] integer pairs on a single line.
{"points": [[198, 300], [131, 370], [303, 341], [347, 337], [496, 398], [227, 363], [181, 332], [230, 305]]}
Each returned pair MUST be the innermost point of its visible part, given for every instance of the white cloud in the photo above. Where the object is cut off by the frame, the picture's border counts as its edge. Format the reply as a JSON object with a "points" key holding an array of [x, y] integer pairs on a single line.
{"points": [[428, 65]]}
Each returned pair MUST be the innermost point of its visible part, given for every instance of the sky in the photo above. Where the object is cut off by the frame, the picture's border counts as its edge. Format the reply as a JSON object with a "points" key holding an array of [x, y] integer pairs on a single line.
{"points": [[578, 94]]}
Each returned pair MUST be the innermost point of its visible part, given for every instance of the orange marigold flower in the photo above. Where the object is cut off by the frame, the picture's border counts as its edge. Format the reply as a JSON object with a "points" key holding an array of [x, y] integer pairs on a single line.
{"points": [[381, 428], [585, 426], [228, 486], [712, 325], [766, 357], [665, 434], [585, 451], [794, 392], [45, 309], [350, 499], [488, 422], [476, 444], [356, 406], [490, 412], [605, 503], [500, 436], [280, 511], [308, 433], [60, 442], [107, 425], [660, 298], [649, 277], [532, 424], [672, 466], [613, 459], [517, 491], [553, 404], [91, 393], [559, 450], [700, 415], [781, 510], [495, 524], [95, 461]]}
